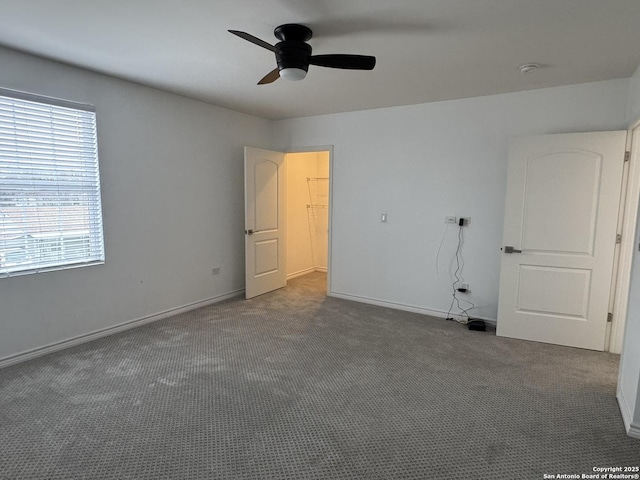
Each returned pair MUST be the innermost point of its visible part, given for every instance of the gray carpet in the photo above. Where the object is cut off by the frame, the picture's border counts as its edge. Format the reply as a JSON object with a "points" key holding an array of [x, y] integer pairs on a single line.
{"points": [[293, 385]]}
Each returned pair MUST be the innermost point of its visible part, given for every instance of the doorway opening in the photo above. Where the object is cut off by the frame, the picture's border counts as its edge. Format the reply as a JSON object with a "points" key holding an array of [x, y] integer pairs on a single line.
{"points": [[307, 200]]}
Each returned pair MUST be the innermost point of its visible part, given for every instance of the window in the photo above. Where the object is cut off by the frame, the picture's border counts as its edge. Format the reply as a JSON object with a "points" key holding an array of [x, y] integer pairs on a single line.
{"points": [[50, 210]]}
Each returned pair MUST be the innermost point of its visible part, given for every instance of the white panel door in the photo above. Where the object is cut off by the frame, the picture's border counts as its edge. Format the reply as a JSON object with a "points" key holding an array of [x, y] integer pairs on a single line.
{"points": [[264, 221], [563, 195]]}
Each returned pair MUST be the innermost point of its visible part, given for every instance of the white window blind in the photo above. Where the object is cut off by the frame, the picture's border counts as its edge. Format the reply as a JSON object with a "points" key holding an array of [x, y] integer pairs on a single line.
{"points": [[50, 210]]}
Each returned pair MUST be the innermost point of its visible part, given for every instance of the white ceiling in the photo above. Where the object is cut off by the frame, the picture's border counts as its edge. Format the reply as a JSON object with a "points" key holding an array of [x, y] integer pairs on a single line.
{"points": [[426, 50]]}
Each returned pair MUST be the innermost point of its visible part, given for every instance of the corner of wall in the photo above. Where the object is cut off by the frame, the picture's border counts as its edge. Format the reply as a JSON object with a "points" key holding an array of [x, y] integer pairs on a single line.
{"points": [[625, 411], [633, 105]]}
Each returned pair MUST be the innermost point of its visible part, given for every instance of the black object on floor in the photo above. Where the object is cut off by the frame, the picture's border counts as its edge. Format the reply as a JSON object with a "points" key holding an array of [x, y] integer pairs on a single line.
{"points": [[477, 325]]}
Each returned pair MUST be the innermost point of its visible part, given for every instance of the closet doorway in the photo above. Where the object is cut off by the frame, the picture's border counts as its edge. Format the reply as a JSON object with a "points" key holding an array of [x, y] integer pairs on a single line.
{"points": [[307, 200]]}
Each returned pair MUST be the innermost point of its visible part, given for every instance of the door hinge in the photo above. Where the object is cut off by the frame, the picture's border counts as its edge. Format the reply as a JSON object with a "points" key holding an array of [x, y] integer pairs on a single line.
{"points": [[609, 317], [627, 156], [618, 238]]}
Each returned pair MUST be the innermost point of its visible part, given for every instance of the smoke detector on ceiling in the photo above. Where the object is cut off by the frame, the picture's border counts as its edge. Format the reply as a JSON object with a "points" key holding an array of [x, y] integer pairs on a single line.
{"points": [[529, 67]]}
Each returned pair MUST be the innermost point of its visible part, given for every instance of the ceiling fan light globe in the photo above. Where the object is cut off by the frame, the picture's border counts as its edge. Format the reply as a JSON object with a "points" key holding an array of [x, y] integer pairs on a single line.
{"points": [[293, 74]]}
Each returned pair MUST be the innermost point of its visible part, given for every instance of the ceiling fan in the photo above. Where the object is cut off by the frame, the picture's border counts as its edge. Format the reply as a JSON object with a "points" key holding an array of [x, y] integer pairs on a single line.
{"points": [[293, 54]]}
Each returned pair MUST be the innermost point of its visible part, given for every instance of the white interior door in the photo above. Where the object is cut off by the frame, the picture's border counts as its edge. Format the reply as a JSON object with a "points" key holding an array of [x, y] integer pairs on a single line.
{"points": [[563, 195], [264, 184]]}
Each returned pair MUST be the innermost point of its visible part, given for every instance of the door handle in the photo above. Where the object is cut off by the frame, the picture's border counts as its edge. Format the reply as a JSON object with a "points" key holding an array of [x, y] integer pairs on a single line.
{"points": [[510, 249], [249, 232]]}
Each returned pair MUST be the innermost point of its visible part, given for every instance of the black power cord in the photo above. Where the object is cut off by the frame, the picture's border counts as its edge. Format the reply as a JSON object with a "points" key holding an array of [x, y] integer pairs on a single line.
{"points": [[455, 290]]}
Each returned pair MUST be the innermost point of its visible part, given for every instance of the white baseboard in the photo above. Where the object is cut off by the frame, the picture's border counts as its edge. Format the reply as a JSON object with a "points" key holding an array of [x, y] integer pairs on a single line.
{"points": [[306, 271], [54, 347], [402, 306], [624, 409], [632, 429], [300, 273]]}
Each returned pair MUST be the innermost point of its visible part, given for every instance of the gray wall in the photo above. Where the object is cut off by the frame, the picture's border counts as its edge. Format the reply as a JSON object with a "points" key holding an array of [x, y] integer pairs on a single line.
{"points": [[633, 106], [629, 380], [172, 174]]}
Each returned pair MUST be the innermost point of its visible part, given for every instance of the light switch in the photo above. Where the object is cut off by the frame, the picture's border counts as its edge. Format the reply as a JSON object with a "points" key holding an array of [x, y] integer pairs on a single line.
{"points": [[383, 218]]}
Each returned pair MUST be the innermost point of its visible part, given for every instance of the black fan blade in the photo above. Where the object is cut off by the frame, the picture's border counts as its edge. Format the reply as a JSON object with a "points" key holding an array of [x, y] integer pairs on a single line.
{"points": [[270, 77], [350, 62], [255, 40]]}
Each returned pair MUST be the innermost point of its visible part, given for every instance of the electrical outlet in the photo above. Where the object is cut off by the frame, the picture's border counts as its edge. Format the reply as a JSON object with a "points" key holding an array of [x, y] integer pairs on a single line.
{"points": [[450, 219], [464, 285], [467, 220], [215, 270]]}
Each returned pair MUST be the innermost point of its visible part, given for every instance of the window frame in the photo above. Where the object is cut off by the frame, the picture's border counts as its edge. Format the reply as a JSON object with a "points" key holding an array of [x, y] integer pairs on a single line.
{"points": [[95, 214]]}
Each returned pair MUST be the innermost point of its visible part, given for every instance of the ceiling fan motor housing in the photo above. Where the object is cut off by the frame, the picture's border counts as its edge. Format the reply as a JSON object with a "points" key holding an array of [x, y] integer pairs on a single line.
{"points": [[293, 54]]}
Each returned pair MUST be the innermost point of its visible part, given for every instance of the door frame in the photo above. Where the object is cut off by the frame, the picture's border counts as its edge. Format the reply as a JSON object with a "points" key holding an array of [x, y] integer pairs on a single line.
{"points": [[322, 148], [627, 224]]}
